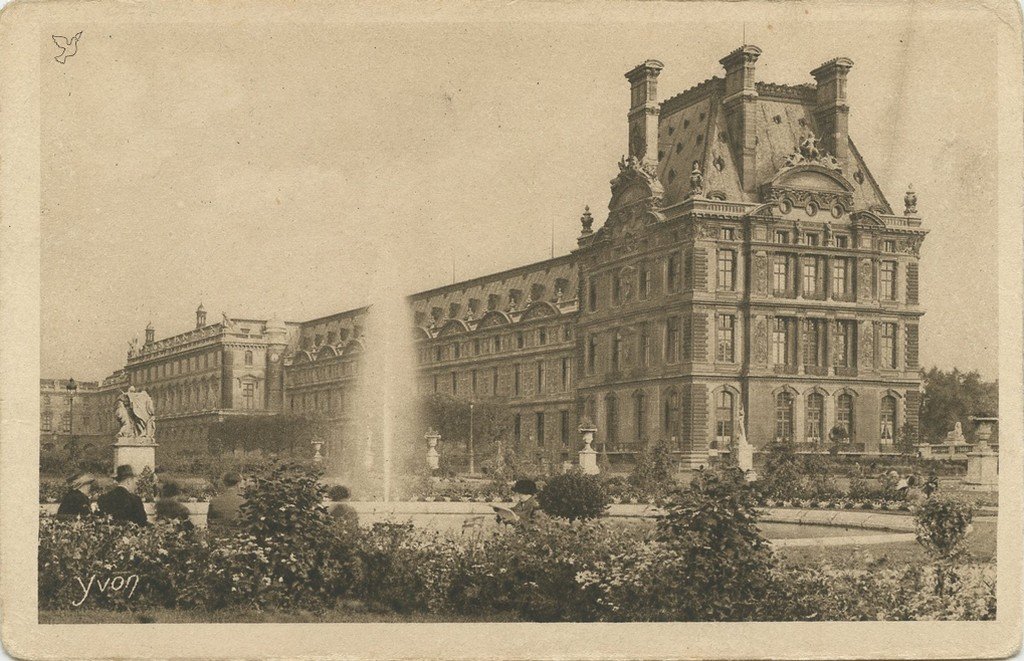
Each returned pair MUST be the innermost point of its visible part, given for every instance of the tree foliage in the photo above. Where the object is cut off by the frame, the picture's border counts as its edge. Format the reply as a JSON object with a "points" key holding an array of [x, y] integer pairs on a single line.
{"points": [[954, 396], [450, 417], [574, 495]]}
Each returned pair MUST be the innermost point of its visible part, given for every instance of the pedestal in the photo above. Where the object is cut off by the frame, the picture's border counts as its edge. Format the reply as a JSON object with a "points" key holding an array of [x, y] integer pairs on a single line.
{"points": [[982, 469], [588, 455], [139, 453]]}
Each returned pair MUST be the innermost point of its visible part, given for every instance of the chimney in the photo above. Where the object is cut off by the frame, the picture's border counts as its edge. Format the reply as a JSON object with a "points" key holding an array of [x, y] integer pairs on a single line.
{"points": [[200, 316], [643, 111], [831, 113], [150, 333], [740, 105]]}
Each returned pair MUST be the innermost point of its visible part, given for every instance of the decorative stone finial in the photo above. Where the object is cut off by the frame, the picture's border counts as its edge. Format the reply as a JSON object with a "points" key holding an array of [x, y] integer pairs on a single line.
{"points": [[696, 181], [910, 201], [587, 220]]}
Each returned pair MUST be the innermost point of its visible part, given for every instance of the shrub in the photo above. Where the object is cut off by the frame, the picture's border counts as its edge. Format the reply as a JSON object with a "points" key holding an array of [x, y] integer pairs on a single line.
{"points": [[338, 492], [574, 495], [942, 527], [652, 474]]}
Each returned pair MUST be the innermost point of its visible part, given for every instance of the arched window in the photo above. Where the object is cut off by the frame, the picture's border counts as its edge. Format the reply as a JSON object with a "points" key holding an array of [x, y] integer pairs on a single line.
{"points": [[639, 414], [611, 420], [815, 417], [670, 417], [784, 416], [248, 357], [844, 414], [888, 419], [723, 419]]}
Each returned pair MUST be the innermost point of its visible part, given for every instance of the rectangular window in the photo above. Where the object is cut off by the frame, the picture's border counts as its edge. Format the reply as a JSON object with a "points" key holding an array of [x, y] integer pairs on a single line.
{"points": [[540, 377], [889, 245], [563, 427], [520, 340], [566, 332], [249, 395], [616, 351], [810, 239], [672, 279], [842, 241], [780, 341], [540, 429], [813, 342], [727, 234], [887, 281], [640, 414], [438, 354], [517, 428], [726, 269], [781, 236], [780, 275], [497, 344], [457, 350], [843, 343], [565, 374], [672, 339], [47, 421], [840, 277], [455, 383], [494, 380], [474, 381], [436, 383], [542, 336], [516, 383], [810, 273], [645, 282], [591, 354], [726, 337], [645, 345], [476, 347], [616, 289], [592, 295], [887, 351]]}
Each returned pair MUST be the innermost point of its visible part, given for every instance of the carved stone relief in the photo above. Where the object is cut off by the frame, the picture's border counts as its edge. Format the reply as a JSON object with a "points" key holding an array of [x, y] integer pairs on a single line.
{"points": [[866, 352], [864, 278], [760, 275], [759, 341]]}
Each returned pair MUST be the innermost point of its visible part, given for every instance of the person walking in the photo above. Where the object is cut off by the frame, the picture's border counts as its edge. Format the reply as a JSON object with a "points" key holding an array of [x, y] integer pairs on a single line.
{"points": [[76, 501], [121, 503]]}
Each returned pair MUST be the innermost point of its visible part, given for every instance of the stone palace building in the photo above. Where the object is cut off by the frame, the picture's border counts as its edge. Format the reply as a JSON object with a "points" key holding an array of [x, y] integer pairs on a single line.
{"points": [[748, 263]]}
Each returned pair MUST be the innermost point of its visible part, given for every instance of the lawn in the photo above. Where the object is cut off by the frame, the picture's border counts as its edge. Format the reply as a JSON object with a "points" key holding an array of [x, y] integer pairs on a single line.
{"points": [[981, 543]]}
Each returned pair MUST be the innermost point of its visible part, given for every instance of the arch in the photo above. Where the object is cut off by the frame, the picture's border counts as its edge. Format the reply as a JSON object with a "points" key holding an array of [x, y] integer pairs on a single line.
{"points": [[326, 351], [301, 356], [810, 176], [453, 327], [354, 347], [421, 333], [786, 388], [540, 310], [866, 218], [816, 388], [494, 318]]}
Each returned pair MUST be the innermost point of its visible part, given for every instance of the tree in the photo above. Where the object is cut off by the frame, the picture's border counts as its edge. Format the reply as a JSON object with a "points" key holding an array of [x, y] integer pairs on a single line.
{"points": [[951, 397], [492, 425]]}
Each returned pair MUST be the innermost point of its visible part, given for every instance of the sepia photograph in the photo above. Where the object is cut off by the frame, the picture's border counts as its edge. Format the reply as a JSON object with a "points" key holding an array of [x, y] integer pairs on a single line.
{"points": [[458, 315]]}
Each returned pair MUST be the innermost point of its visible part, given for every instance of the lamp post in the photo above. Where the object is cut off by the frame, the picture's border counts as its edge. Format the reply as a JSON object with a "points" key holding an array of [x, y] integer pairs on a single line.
{"points": [[472, 465], [72, 387]]}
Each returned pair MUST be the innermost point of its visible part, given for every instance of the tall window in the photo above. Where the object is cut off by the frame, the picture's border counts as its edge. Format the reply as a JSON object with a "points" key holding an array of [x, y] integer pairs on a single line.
{"points": [[516, 383], [616, 289], [611, 419], [723, 419], [520, 340], [616, 351], [639, 414], [784, 416], [844, 414], [840, 277], [592, 295], [473, 379], [517, 428], [645, 345], [47, 421], [476, 347], [542, 336], [457, 350], [494, 380], [726, 270], [887, 281], [726, 338], [842, 343], [497, 343], [810, 272], [540, 428], [645, 281], [780, 341], [540, 376], [780, 275], [815, 417], [591, 354], [887, 350], [566, 374], [672, 276], [455, 383], [670, 415], [563, 427], [842, 241], [249, 395], [248, 357], [781, 236], [727, 234], [888, 418], [672, 339], [813, 342]]}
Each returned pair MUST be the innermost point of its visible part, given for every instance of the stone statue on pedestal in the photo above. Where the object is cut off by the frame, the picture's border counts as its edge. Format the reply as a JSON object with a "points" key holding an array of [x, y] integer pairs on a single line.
{"points": [[135, 444], [744, 450]]}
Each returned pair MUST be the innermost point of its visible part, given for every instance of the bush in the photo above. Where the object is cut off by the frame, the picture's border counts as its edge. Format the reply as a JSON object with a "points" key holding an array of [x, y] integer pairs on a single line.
{"points": [[652, 474], [574, 495], [942, 527]]}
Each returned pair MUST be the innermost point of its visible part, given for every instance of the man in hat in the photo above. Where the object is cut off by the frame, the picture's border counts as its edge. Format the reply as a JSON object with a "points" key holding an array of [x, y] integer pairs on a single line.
{"points": [[120, 502], [76, 501], [526, 505], [226, 506]]}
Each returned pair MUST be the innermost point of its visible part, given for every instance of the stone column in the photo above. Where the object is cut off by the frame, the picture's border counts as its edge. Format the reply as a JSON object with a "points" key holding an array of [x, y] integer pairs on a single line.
{"points": [[137, 452]]}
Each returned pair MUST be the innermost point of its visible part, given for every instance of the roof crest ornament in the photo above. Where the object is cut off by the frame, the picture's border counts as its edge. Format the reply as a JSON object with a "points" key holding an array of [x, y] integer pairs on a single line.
{"points": [[807, 152]]}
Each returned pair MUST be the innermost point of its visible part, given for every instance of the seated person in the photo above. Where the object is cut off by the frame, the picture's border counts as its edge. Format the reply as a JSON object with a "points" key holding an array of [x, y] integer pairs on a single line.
{"points": [[121, 503], [169, 506], [76, 501], [225, 506], [526, 505]]}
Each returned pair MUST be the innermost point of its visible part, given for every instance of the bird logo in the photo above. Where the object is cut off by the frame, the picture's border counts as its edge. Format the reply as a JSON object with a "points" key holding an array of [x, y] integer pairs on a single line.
{"points": [[67, 46]]}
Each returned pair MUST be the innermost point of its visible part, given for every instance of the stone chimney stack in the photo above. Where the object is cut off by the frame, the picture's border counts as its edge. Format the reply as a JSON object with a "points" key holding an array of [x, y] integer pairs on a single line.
{"points": [[740, 105], [643, 111], [150, 333], [831, 112], [200, 316]]}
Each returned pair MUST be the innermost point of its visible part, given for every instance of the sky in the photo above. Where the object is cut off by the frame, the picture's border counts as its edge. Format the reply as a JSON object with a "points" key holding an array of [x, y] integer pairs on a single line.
{"points": [[276, 169]]}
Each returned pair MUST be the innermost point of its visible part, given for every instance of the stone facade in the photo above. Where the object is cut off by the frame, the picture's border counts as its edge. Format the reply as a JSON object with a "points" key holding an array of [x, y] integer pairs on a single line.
{"points": [[748, 259]]}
